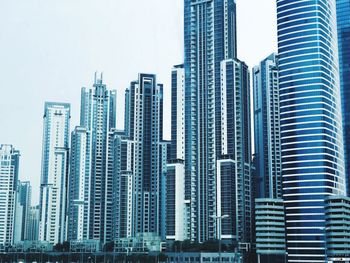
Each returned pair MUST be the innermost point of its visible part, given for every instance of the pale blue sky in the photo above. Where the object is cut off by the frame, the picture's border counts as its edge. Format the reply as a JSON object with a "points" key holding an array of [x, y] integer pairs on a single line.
{"points": [[49, 49]]}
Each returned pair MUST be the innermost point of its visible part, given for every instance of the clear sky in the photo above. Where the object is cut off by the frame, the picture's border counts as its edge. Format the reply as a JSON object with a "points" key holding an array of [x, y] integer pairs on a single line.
{"points": [[50, 49]]}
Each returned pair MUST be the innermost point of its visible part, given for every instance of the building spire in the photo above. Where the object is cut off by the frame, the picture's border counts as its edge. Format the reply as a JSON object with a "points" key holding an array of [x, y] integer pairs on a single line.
{"points": [[100, 79]]}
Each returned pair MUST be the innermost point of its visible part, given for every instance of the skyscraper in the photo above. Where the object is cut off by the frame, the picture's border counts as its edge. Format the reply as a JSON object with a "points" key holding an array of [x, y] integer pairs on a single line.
{"points": [[177, 207], [33, 223], [269, 210], [123, 185], [267, 128], [9, 167], [18, 222], [210, 37], [177, 113], [79, 185], [234, 169], [25, 199], [164, 148], [23, 203], [343, 22], [90, 195], [144, 126], [311, 124], [54, 172]]}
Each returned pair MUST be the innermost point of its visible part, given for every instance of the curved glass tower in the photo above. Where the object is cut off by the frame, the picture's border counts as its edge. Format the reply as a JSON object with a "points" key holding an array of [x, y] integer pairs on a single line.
{"points": [[343, 21], [311, 129]]}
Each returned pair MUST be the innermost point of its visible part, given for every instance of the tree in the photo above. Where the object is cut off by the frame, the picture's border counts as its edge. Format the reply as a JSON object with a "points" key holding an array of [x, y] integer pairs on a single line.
{"points": [[189, 246], [109, 247], [210, 246], [162, 257], [66, 246], [58, 247]]}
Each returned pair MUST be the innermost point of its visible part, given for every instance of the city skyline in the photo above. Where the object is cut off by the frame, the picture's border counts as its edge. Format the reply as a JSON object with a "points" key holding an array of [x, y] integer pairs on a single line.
{"points": [[62, 81], [221, 151]]}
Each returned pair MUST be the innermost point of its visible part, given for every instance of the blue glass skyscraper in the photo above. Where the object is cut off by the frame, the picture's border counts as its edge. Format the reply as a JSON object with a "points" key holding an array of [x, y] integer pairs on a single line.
{"points": [[343, 23], [311, 125]]}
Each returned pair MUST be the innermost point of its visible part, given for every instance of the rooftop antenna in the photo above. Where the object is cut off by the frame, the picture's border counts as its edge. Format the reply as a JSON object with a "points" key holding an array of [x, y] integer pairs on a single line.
{"points": [[95, 81]]}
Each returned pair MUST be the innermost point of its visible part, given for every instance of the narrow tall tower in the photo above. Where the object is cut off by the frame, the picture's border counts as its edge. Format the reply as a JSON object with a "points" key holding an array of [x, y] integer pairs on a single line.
{"points": [[144, 127], [25, 200], [91, 201], [267, 128], [233, 178], [79, 185], [54, 172], [311, 122], [33, 223], [343, 22], [269, 209], [9, 166], [177, 207], [210, 37]]}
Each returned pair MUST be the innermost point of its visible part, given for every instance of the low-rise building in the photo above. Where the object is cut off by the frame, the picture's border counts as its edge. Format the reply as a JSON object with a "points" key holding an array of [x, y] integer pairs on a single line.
{"points": [[338, 228], [142, 243], [203, 257], [270, 230]]}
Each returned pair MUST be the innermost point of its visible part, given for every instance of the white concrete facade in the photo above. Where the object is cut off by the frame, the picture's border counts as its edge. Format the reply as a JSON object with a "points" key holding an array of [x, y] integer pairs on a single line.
{"points": [[53, 192], [9, 162]]}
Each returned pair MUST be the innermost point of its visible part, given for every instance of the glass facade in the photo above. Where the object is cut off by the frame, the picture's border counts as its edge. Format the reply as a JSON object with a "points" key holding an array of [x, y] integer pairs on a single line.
{"points": [[97, 116], [269, 208], [176, 206], [177, 148], [209, 38], [25, 200], [123, 167], [171, 203], [79, 185], [267, 129], [311, 125], [145, 126], [234, 175], [343, 23]]}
